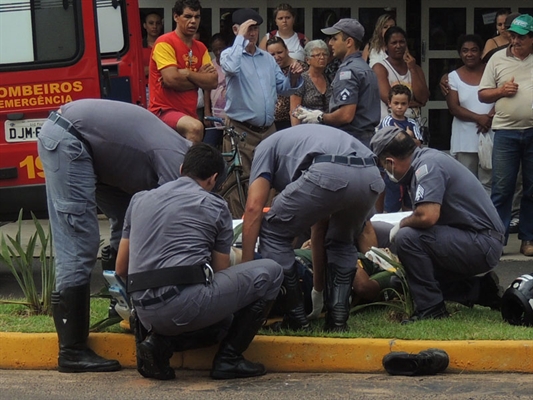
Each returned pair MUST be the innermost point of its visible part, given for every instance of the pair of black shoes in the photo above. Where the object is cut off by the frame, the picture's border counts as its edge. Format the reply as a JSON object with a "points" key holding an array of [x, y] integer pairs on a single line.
{"points": [[436, 312], [427, 362]]}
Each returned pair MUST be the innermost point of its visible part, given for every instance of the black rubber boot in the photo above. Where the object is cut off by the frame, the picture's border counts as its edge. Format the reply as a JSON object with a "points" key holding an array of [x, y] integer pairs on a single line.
{"points": [[338, 291], [229, 362], [70, 308], [295, 317]]}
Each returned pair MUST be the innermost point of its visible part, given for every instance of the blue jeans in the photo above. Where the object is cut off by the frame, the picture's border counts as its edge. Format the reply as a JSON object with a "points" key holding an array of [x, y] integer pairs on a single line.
{"points": [[396, 196], [512, 148]]}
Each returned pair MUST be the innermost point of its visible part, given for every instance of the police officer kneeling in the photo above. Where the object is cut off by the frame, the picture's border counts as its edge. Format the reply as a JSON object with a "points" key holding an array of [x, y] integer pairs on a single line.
{"points": [[172, 238], [454, 232]]}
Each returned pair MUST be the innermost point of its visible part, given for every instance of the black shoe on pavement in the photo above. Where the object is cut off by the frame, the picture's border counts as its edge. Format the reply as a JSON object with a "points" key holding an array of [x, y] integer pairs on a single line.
{"points": [[436, 312], [427, 362]]}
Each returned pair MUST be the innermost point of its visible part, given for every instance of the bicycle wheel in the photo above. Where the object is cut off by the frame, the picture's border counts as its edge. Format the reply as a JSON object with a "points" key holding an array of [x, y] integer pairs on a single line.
{"points": [[231, 194]]}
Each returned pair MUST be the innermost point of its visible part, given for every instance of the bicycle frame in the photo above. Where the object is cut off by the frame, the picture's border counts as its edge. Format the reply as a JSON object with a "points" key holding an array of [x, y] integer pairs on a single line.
{"points": [[233, 156]]}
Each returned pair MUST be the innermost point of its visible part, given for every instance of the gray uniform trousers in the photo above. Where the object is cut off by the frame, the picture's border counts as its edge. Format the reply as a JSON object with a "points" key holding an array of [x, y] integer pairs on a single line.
{"points": [[73, 194], [70, 192], [443, 254], [344, 193], [199, 306], [113, 202]]}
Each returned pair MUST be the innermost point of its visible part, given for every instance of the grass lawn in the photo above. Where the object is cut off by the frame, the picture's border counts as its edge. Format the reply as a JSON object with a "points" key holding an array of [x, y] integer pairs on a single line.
{"points": [[478, 323]]}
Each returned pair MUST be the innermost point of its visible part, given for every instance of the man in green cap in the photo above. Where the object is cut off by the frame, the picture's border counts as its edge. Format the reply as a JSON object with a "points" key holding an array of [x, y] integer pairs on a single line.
{"points": [[507, 83]]}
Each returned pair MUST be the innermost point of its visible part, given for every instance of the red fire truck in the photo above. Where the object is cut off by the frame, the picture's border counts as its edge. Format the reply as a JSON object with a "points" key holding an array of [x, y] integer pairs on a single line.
{"points": [[53, 52]]}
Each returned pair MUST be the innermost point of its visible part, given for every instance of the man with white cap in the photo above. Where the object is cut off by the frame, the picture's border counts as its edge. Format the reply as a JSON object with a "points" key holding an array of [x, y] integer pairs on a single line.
{"points": [[507, 82], [452, 235], [354, 105]]}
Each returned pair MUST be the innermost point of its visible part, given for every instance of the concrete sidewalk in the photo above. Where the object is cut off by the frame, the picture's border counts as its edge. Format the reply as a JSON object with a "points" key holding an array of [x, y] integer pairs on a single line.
{"points": [[291, 354]]}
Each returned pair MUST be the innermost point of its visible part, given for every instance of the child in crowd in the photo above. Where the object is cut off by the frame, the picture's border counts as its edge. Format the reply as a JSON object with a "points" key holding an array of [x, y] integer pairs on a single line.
{"points": [[397, 194], [399, 98]]}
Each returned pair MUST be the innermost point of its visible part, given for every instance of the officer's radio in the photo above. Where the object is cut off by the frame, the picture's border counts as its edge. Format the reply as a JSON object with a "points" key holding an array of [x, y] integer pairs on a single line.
{"points": [[117, 289]]}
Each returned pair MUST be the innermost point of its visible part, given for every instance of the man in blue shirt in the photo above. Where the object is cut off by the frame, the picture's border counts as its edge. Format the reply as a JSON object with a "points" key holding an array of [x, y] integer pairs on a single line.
{"points": [[253, 81]]}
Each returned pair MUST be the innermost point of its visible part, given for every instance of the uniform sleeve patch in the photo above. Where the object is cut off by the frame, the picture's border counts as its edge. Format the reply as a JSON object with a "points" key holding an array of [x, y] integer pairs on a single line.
{"points": [[345, 94], [345, 75], [421, 172], [419, 196]]}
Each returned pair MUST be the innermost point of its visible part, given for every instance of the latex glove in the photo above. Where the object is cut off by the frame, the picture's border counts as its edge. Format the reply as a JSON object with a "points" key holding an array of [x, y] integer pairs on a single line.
{"points": [[309, 116], [317, 299], [393, 232]]}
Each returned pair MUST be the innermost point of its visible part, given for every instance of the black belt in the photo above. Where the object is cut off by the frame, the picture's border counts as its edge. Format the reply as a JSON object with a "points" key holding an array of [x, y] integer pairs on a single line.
{"points": [[64, 123], [346, 160], [256, 129], [156, 300], [181, 275], [494, 234]]}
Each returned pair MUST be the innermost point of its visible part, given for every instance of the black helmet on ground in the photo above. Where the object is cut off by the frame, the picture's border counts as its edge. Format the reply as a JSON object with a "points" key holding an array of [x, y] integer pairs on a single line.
{"points": [[517, 301]]}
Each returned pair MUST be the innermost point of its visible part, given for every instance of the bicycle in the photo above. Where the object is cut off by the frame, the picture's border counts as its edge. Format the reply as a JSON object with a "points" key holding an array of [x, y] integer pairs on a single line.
{"points": [[234, 180]]}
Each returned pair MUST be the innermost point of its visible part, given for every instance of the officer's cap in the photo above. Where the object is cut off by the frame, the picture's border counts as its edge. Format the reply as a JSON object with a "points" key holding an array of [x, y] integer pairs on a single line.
{"points": [[382, 138], [349, 26]]}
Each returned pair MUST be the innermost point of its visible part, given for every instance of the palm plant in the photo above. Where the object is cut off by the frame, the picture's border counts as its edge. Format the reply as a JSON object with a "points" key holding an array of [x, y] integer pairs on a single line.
{"points": [[19, 261]]}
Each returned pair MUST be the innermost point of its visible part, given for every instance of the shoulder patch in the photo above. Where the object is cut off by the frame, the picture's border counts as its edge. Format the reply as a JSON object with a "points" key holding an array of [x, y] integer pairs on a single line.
{"points": [[345, 94], [421, 172], [419, 193], [345, 75]]}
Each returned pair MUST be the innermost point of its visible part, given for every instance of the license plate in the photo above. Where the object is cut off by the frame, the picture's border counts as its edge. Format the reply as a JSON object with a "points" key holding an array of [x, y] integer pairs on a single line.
{"points": [[25, 130]]}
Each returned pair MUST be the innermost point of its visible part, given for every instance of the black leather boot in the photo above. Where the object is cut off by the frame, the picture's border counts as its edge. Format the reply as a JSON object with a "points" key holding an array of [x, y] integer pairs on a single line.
{"points": [[229, 362], [338, 291], [70, 308], [154, 354], [295, 317]]}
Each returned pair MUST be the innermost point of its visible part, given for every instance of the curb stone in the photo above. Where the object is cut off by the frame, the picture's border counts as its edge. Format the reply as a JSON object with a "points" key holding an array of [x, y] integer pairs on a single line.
{"points": [[283, 353]]}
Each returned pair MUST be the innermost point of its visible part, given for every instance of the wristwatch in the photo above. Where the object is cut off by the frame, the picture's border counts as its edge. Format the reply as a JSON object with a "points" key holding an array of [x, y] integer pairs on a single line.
{"points": [[320, 118]]}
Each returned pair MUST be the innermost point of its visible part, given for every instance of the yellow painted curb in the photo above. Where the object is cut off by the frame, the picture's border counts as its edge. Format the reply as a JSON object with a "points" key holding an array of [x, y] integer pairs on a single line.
{"points": [[283, 354]]}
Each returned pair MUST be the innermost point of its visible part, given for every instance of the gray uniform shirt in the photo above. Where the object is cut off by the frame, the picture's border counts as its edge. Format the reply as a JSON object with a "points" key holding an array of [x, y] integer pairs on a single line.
{"points": [[176, 224], [438, 178], [356, 83], [285, 155], [132, 149]]}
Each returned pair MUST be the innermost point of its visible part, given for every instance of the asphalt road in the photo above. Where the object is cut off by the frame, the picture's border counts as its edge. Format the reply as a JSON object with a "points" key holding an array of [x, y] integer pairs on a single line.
{"points": [[128, 384]]}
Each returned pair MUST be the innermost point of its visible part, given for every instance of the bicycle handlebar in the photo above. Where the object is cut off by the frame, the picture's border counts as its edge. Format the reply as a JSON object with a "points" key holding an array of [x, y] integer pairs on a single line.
{"points": [[230, 130], [214, 119]]}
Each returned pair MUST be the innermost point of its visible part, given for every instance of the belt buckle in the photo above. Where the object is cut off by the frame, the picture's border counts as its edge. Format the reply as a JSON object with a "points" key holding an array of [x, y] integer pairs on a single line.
{"points": [[209, 274], [54, 116]]}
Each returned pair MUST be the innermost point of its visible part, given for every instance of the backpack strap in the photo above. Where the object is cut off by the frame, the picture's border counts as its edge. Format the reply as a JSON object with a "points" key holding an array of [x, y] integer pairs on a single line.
{"points": [[301, 36]]}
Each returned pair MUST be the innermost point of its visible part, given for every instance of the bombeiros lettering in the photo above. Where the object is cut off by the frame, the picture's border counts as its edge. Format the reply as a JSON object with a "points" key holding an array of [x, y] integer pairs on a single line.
{"points": [[42, 94]]}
